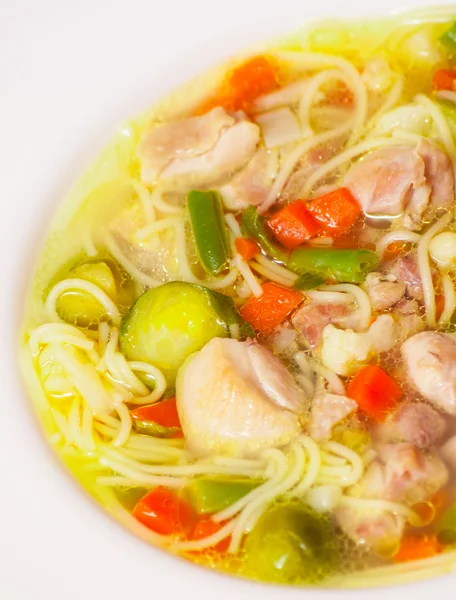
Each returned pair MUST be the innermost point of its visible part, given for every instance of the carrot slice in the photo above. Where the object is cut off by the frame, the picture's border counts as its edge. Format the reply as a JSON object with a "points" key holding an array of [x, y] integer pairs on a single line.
{"points": [[246, 248], [206, 527], [417, 547], [164, 512], [335, 211], [293, 225], [444, 79], [163, 413], [256, 76], [375, 392], [270, 309]]}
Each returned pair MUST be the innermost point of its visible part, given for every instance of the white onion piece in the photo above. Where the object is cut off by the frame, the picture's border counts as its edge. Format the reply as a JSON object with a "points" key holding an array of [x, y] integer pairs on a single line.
{"points": [[324, 498], [279, 127], [283, 97]]}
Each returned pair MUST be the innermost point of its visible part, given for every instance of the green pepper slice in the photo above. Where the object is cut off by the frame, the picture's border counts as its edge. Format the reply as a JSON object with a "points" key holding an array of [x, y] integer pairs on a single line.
{"points": [[209, 230], [252, 225], [343, 265], [212, 495]]}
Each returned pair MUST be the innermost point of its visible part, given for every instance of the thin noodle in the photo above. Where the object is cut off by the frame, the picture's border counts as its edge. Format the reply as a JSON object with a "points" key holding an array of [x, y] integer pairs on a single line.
{"points": [[450, 299], [425, 268]]}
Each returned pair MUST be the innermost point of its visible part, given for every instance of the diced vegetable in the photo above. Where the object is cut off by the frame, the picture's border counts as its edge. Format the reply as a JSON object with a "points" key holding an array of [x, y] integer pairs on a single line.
{"points": [[212, 495], [442, 249], [206, 527], [279, 127], [335, 212], [293, 225], [159, 419], [290, 545], [164, 512], [448, 38], [355, 439], [271, 308], [209, 230], [341, 264], [253, 78], [81, 308], [253, 227], [168, 323], [375, 392], [444, 79], [246, 248], [418, 547]]}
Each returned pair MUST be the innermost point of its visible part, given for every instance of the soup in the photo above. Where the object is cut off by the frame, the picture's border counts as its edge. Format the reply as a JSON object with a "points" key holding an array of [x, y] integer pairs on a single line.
{"points": [[240, 334]]}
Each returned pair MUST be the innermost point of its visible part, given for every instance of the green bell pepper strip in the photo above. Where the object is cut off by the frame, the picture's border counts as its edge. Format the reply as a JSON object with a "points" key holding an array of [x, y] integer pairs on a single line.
{"points": [[343, 265], [154, 429], [252, 225], [448, 39], [209, 230], [308, 281], [212, 495]]}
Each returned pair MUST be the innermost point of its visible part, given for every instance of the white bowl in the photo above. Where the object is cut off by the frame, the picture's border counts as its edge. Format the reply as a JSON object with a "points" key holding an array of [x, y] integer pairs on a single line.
{"points": [[71, 72]]}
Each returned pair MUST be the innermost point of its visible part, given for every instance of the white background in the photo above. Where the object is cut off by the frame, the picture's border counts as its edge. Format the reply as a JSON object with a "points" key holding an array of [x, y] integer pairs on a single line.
{"points": [[70, 72]]}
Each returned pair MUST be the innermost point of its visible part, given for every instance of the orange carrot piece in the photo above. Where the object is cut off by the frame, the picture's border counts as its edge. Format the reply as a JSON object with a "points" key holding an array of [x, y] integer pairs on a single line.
{"points": [[255, 77], [162, 413], [270, 309], [375, 392], [293, 225], [335, 211], [164, 512], [206, 527], [418, 547], [444, 79], [246, 248]]}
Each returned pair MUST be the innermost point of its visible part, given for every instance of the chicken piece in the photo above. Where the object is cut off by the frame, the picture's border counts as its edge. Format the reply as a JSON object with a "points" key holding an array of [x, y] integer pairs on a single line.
{"points": [[251, 185], [408, 474], [372, 528], [405, 269], [439, 174], [328, 410], [181, 139], [416, 423], [311, 319], [233, 150], [344, 351], [385, 180], [409, 320], [237, 398], [383, 290], [430, 358], [403, 181], [401, 473]]}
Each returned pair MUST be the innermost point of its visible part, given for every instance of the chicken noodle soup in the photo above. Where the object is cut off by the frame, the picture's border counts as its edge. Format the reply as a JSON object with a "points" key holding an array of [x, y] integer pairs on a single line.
{"points": [[241, 333]]}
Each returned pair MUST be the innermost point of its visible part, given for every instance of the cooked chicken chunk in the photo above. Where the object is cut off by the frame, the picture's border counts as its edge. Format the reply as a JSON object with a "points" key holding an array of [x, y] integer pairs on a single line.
{"points": [[312, 318], [252, 184], [430, 358], [328, 410], [403, 181], [204, 149], [383, 290], [405, 269], [237, 398], [414, 422]]}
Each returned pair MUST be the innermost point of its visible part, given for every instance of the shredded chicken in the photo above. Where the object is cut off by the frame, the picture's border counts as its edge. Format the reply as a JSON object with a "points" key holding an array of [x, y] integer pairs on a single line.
{"points": [[312, 318]]}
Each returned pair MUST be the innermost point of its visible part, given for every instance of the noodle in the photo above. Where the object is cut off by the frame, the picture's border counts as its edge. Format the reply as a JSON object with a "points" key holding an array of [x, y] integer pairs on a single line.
{"points": [[362, 300], [450, 299], [402, 235], [425, 269]]}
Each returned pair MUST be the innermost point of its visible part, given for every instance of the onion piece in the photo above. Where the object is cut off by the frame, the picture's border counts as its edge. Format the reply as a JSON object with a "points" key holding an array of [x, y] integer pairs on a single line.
{"points": [[279, 127]]}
